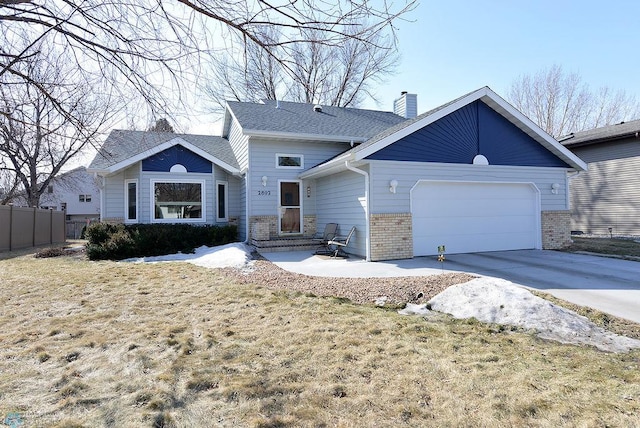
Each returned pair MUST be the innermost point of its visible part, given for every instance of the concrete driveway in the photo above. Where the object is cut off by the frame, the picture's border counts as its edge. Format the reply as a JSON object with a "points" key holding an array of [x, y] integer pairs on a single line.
{"points": [[607, 284]]}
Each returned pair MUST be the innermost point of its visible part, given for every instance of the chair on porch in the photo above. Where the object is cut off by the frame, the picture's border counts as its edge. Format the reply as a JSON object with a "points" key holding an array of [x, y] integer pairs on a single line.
{"points": [[330, 231], [337, 244]]}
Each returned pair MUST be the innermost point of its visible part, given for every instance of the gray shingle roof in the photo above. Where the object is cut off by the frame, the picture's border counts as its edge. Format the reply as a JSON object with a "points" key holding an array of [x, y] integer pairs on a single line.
{"points": [[605, 133], [301, 119], [121, 145]]}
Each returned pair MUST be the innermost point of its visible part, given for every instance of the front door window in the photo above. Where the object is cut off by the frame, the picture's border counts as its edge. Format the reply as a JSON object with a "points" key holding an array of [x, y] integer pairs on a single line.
{"points": [[290, 207]]}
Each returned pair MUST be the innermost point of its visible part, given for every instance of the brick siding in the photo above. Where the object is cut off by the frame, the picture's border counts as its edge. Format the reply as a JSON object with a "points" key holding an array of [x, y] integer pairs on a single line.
{"points": [[556, 229], [265, 227], [391, 236]]}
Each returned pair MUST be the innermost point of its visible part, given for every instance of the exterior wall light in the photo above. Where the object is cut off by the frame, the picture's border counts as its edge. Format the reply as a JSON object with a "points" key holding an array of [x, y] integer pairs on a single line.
{"points": [[392, 186], [554, 188], [264, 180]]}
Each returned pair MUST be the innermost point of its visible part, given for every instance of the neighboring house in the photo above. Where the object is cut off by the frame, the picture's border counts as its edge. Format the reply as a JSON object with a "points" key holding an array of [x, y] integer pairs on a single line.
{"points": [[75, 192], [472, 175], [606, 198]]}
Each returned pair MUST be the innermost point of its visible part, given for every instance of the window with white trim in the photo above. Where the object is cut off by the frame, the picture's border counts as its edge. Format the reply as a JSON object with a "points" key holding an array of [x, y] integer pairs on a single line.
{"points": [[131, 201], [289, 161], [222, 196], [178, 201]]}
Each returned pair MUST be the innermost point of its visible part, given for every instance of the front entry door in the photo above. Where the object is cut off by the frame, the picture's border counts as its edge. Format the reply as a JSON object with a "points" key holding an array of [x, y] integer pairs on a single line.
{"points": [[289, 207]]}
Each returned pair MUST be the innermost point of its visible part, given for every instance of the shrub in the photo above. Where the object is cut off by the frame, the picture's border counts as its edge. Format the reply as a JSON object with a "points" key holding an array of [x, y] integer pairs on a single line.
{"points": [[119, 241]]}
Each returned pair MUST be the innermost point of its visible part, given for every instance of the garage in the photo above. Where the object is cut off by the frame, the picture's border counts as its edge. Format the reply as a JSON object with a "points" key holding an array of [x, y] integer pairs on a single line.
{"points": [[468, 217]]}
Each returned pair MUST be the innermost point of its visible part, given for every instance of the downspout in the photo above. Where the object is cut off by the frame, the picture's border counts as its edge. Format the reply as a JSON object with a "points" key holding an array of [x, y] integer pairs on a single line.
{"points": [[101, 188], [247, 207], [366, 207]]}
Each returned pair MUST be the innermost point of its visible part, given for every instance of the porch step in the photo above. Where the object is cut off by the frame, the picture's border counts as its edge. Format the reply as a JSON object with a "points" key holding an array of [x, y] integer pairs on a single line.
{"points": [[288, 244]]}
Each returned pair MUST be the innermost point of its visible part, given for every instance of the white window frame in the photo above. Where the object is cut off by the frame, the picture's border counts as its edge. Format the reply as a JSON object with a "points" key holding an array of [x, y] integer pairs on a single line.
{"points": [[284, 155], [203, 195], [226, 200], [126, 201]]}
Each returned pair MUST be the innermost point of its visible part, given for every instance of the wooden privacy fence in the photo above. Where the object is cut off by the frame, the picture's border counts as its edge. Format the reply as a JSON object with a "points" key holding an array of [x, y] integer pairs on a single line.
{"points": [[22, 227]]}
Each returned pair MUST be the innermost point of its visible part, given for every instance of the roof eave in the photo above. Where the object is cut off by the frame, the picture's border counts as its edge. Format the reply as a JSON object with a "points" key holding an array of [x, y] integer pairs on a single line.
{"points": [[303, 136], [333, 166], [599, 140]]}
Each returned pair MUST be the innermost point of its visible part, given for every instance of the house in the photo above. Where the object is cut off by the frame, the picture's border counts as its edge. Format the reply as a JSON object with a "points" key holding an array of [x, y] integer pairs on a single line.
{"points": [[472, 175], [606, 198], [75, 192]]}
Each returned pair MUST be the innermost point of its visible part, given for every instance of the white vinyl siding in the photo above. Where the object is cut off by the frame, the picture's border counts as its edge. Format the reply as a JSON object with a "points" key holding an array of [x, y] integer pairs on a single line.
{"points": [[239, 144], [407, 175], [343, 198], [114, 202]]}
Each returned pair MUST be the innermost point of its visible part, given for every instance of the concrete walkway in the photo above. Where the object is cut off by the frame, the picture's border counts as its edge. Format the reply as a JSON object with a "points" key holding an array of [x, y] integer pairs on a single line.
{"points": [[607, 284]]}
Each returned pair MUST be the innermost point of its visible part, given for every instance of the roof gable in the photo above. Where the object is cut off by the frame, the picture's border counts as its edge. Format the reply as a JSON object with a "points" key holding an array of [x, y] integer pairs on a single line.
{"points": [[176, 155], [408, 127], [123, 148], [474, 129]]}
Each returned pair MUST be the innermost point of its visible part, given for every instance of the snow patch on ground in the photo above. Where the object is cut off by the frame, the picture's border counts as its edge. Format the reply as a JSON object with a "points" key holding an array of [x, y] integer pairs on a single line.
{"points": [[236, 255], [494, 300]]}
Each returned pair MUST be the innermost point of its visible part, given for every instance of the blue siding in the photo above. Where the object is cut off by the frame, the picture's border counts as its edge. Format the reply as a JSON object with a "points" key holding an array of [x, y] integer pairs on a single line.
{"points": [[469, 131], [503, 143], [163, 161]]}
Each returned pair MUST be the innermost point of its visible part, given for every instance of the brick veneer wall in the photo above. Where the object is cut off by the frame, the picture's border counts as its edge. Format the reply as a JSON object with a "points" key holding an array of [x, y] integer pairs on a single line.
{"points": [[310, 226], [264, 227], [556, 229], [391, 236]]}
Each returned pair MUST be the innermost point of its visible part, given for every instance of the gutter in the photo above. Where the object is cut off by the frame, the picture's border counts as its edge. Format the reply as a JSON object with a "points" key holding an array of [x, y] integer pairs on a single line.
{"points": [[305, 137], [366, 207]]}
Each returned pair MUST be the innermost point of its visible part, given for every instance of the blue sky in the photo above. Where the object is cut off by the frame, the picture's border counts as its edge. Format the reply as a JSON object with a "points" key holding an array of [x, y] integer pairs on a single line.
{"points": [[456, 46]]}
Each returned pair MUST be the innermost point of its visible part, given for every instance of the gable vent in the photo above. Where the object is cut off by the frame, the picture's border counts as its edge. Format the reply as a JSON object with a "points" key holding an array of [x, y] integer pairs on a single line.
{"points": [[317, 108]]}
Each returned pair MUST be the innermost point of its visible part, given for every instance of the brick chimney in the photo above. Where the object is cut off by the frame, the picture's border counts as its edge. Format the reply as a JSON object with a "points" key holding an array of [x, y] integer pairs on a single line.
{"points": [[406, 106]]}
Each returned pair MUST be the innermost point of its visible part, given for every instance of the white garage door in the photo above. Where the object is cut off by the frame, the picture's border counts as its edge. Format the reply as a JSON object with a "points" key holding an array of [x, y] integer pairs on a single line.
{"points": [[469, 217]]}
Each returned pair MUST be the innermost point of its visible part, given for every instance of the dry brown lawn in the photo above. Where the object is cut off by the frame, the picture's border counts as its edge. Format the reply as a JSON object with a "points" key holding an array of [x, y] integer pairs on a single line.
{"points": [[173, 345], [612, 246]]}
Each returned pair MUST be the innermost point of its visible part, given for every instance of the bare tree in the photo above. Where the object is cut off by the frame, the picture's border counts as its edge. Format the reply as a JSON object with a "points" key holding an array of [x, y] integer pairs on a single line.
{"points": [[9, 184], [314, 72], [147, 46], [561, 103], [47, 121]]}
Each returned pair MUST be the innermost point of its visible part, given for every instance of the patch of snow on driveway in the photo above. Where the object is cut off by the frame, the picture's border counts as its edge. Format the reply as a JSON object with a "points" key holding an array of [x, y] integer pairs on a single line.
{"points": [[493, 300]]}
